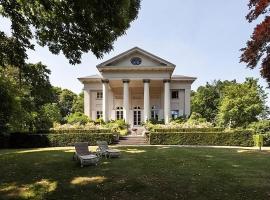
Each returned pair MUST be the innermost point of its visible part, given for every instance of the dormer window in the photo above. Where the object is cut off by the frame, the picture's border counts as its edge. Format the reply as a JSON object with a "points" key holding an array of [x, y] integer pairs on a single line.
{"points": [[136, 61]]}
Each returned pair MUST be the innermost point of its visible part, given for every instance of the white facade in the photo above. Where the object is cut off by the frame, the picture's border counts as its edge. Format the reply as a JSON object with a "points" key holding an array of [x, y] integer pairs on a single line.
{"points": [[136, 86]]}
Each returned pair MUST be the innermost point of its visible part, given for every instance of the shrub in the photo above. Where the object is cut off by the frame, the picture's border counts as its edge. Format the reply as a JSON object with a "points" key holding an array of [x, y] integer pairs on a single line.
{"points": [[232, 138], [77, 117], [261, 126], [75, 131], [117, 125], [212, 129], [28, 140]]}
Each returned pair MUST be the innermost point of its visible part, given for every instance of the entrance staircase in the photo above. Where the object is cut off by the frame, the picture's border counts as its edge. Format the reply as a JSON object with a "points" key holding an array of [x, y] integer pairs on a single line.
{"points": [[132, 140], [136, 137]]}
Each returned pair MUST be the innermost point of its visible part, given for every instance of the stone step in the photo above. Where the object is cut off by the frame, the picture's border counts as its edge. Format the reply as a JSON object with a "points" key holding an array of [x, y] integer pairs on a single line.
{"points": [[132, 140]]}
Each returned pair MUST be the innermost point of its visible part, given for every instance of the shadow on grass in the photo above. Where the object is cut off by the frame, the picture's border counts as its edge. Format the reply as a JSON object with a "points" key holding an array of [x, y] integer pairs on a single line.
{"points": [[140, 173]]}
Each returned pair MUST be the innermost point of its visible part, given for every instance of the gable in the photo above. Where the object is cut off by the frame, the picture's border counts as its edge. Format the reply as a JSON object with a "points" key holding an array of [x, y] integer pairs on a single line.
{"points": [[146, 59]]}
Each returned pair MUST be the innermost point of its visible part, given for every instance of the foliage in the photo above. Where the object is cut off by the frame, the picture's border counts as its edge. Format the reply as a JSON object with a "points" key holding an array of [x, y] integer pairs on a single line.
{"points": [[74, 131], [28, 140], [78, 103], [242, 104], [232, 138], [117, 126], [189, 130], [89, 125], [7, 104], [207, 98], [24, 94], [194, 122], [266, 139], [261, 126], [70, 27], [257, 48], [49, 114], [258, 140], [77, 117], [66, 99]]}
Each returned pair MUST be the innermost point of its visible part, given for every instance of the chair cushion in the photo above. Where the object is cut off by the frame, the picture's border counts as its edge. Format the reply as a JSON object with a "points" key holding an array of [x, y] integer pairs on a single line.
{"points": [[88, 157]]}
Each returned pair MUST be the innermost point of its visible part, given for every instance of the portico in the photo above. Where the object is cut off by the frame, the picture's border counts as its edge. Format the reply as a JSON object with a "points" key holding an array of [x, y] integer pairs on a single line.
{"points": [[136, 86]]}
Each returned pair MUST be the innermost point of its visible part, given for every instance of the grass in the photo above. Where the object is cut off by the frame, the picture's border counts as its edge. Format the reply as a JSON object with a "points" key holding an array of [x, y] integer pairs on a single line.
{"points": [[140, 173]]}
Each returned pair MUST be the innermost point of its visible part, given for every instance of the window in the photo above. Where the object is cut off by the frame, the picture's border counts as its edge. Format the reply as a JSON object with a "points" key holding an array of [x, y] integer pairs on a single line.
{"points": [[175, 114], [154, 113], [175, 94], [99, 95], [99, 114], [119, 113]]}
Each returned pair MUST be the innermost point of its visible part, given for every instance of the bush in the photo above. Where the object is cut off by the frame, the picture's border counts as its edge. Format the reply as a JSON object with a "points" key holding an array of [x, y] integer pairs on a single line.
{"points": [[261, 126], [77, 117], [117, 125], [232, 138], [166, 130], [73, 131], [28, 140]]}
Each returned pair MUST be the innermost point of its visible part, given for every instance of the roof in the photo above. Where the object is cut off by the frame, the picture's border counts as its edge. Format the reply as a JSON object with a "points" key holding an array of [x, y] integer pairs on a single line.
{"points": [[133, 50], [174, 77], [182, 77]]}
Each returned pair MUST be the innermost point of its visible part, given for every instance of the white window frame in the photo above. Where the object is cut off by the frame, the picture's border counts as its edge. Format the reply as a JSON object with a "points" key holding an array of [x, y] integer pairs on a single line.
{"points": [[119, 113]]}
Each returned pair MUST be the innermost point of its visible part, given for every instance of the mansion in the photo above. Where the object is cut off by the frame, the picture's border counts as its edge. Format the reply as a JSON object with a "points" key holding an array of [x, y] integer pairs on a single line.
{"points": [[136, 86]]}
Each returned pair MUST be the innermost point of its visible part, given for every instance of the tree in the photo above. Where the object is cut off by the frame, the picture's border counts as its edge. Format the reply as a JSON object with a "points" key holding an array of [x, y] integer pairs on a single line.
{"points": [[49, 113], [65, 102], [78, 103], [22, 101], [206, 100], [257, 49], [72, 27], [242, 104]]}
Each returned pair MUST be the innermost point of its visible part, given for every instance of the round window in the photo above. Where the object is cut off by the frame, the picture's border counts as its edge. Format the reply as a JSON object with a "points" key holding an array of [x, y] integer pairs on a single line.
{"points": [[136, 61]]}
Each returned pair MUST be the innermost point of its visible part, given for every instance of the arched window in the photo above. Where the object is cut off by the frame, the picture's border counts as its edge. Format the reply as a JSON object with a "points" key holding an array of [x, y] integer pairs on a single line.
{"points": [[119, 113], [154, 112], [137, 108]]}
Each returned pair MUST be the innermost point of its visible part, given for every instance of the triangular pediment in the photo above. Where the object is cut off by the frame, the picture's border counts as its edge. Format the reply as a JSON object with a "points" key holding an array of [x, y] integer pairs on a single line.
{"points": [[136, 57]]}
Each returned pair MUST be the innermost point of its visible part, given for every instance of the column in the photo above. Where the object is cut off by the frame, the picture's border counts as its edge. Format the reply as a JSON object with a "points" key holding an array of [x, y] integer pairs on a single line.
{"points": [[187, 102], [146, 100], [167, 101], [86, 102], [126, 100], [105, 109]]}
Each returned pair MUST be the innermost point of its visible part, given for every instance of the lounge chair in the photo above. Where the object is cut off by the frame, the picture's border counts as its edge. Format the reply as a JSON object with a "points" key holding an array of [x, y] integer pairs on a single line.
{"points": [[104, 150], [83, 154]]}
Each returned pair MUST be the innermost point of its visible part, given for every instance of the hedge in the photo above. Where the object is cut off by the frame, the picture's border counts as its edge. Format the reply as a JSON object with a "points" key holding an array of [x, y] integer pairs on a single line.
{"points": [[233, 138], [166, 130], [27, 140], [61, 131]]}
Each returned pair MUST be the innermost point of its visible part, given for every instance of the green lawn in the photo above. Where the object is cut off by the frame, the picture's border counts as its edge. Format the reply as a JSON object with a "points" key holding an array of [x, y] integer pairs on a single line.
{"points": [[141, 173]]}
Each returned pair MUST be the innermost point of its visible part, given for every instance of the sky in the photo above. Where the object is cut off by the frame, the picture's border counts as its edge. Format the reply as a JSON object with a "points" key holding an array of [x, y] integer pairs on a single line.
{"points": [[202, 38]]}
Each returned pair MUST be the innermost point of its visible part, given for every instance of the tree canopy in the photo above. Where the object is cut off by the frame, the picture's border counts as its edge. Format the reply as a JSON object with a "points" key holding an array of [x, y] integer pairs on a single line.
{"points": [[228, 103], [72, 27], [257, 50]]}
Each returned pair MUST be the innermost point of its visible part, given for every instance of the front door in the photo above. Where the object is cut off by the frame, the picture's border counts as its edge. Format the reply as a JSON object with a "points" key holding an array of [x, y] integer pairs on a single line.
{"points": [[137, 121]]}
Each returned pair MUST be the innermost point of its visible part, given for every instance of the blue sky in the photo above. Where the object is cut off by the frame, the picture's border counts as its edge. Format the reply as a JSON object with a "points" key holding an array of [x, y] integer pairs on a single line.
{"points": [[202, 38]]}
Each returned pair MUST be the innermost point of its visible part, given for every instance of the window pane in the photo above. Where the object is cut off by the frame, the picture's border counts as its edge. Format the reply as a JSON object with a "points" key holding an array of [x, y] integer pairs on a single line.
{"points": [[174, 94]]}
